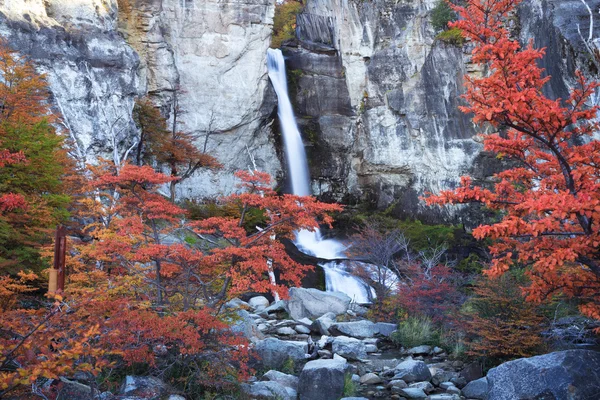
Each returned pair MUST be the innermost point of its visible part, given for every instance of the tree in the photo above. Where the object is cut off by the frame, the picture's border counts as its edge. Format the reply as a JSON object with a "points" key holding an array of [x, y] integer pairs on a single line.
{"points": [[441, 15], [172, 148], [32, 165], [549, 201]]}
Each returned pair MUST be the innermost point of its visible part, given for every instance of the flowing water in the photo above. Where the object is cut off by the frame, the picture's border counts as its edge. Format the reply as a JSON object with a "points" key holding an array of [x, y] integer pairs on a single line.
{"points": [[312, 243]]}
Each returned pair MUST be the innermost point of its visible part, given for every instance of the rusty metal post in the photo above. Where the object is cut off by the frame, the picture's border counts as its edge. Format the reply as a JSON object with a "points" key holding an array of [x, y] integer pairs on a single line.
{"points": [[60, 251]]}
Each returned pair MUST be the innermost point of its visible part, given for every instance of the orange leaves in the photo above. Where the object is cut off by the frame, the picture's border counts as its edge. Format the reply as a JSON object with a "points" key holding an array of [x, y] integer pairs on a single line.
{"points": [[549, 198]]}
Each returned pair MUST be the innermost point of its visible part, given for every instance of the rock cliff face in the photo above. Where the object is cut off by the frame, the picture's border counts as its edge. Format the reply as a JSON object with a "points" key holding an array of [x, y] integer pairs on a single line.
{"points": [[375, 92], [209, 57]]}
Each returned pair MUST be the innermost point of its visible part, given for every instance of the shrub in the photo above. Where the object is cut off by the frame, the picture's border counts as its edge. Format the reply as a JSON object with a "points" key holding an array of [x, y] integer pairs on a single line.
{"points": [[284, 22], [501, 324], [415, 331], [452, 36], [350, 386], [441, 15]]}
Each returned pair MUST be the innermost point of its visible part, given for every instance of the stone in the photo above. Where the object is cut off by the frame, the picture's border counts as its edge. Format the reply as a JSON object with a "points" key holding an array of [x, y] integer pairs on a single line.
{"points": [[324, 354], [236, 303], [370, 379], [425, 386], [441, 375], [246, 325], [307, 322], [444, 396], [371, 348], [349, 348], [175, 397], [570, 374], [446, 385], [324, 341], [385, 328], [73, 390], [413, 393], [412, 371], [286, 331], [269, 390], [419, 350], [286, 380], [313, 303], [278, 306], [437, 350], [323, 323], [398, 383], [259, 302], [322, 380], [354, 398], [459, 381], [357, 329], [302, 329], [147, 387], [476, 389], [273, 353], [453, 390]]}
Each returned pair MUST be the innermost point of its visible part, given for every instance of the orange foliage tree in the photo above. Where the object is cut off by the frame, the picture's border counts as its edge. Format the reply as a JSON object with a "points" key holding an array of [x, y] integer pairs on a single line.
{"points": [[549, 202]]}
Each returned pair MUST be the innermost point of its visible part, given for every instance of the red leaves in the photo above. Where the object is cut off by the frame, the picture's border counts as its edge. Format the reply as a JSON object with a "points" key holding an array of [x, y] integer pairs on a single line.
{"points": [[549, 200]]}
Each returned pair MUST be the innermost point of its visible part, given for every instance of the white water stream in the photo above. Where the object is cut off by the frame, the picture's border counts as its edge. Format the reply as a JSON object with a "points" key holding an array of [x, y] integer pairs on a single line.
{"points": [[312, 243]]}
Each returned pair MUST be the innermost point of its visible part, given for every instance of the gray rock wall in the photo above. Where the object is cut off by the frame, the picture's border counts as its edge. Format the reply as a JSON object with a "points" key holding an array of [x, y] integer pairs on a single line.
{"points": [[379, 94], [99, 55]]}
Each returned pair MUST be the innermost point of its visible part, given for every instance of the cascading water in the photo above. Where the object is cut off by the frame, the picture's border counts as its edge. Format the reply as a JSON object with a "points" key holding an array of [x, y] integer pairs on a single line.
{"points": [[312, 243]]}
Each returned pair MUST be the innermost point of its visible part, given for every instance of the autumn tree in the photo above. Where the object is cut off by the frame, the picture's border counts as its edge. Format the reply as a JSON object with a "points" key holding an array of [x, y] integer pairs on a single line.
{"points": [[169, 147], [32, 165], [549, 201]]}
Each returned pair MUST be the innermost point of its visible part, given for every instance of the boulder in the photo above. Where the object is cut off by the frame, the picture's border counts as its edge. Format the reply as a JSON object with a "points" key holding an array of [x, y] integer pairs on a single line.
{"points": [[278, 306], [443, 376], [385, 328], [313, 303], [73, 390], [323, 323], [147, 387], [398, 384], [269, 390], [286, 380], [236, 303], [425, 386], [274, 353], [419, 350], [350, 348], [413, 393], [286, 331], [412, 371], [570, 374], [259, 302], [246, 325], [370, 379], [302, 329], [357, 329], [476, 389], [322, 380], [371, 348], [354, 398], [444, 396]]}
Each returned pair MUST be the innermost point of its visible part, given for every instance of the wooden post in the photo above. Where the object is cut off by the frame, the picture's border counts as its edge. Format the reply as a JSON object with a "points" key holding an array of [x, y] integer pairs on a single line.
{"points": [[56, 282]]}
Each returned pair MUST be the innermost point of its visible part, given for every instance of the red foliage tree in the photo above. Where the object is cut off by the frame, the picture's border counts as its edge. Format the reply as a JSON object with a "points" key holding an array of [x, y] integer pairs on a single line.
{"points": [[549, 201]]}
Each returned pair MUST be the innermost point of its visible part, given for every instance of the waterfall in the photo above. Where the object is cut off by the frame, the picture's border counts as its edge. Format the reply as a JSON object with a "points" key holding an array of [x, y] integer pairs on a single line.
{"points": [[312, 243]]}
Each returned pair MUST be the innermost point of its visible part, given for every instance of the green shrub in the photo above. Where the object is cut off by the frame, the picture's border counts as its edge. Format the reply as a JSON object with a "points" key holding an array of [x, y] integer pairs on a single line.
{"points": [[350, 386], [288, 366], [452, 36], [284, 22], [415, 331], [441, 15]]}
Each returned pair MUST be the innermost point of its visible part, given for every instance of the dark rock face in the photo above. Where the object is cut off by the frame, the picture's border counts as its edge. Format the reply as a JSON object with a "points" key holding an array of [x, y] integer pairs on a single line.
{"points": [[571, 374]]}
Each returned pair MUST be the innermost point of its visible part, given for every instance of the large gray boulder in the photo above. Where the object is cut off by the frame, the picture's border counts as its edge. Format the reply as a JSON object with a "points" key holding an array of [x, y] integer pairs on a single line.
{"points": [[313, 303], [286, 380], [269, 390], [273, 353], [570, 374], [350, 348], [411, 370], [356, 329], [476, 389], [322, 380]]}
